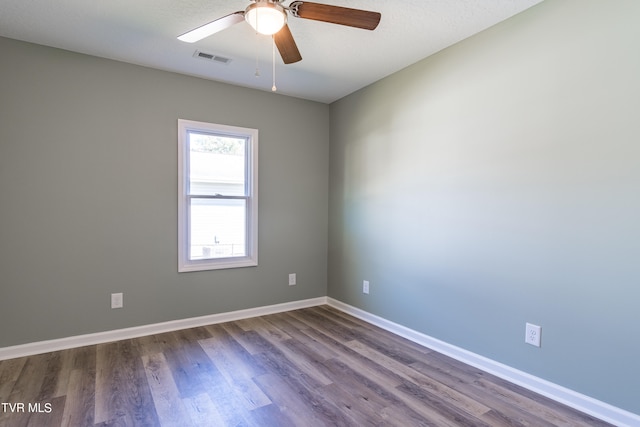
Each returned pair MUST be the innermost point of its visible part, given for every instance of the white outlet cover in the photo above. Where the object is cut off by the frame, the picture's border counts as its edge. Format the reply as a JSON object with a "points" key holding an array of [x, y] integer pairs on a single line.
{"points": [[365, 286], [532, 334], [116, 300], [292, 279]]}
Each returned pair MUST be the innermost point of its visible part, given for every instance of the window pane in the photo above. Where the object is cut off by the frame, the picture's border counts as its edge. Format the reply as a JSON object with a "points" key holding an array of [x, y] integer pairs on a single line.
{"points": [[216, 164], [218, 228]]}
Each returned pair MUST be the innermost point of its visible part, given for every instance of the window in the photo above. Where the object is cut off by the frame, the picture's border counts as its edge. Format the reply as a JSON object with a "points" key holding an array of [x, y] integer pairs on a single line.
{"points": [[217, 196]]}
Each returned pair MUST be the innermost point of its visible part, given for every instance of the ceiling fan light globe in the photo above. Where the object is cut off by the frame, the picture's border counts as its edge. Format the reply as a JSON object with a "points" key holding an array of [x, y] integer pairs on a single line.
{"points": [[266, 18]]}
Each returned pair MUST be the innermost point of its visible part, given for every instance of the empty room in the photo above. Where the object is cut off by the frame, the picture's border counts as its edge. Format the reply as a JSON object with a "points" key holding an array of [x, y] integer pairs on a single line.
{"points": [[369, 213]]}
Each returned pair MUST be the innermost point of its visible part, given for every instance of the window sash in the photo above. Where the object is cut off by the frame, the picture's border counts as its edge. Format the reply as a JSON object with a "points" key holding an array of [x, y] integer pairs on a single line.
{"points": [[214, 247], [247, 187]]}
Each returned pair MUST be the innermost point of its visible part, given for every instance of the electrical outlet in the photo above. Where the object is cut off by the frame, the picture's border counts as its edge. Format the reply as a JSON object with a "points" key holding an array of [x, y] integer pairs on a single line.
{"points": [[116, 300], [532, 335], [292, 279], [365, 286]]}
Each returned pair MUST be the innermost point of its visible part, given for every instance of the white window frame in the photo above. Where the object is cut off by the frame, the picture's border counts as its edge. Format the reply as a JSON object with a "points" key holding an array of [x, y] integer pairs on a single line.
{"points": [[251, 158]]}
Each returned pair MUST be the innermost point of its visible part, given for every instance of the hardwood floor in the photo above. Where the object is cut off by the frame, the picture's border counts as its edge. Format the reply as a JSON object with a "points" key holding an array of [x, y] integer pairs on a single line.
{"points": [[309, 367]]}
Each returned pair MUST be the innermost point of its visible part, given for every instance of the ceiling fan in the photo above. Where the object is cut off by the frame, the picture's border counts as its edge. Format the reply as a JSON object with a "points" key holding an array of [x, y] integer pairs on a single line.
{"points": [[269, 17]]}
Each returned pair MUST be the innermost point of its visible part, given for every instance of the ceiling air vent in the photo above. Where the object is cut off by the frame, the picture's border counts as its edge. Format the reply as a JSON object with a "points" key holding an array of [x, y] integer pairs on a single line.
{"points": [[211, 57]]}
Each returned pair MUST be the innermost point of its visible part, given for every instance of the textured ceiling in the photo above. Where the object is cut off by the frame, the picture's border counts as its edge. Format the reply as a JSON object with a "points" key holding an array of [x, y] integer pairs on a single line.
{"points": [[337, 60]]}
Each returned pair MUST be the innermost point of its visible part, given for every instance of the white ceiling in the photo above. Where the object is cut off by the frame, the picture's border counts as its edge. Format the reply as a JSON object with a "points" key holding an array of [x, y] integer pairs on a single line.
{"points": [[337, 60]]}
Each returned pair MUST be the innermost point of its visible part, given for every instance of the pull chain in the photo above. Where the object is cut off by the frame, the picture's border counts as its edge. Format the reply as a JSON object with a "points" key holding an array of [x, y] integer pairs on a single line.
{"points": [[273, 61], [257, 74]]}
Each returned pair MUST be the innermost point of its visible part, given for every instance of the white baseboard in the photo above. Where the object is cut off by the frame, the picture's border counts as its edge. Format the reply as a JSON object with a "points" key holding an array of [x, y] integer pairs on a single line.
{"points": [[573, 399], [157, 328]]}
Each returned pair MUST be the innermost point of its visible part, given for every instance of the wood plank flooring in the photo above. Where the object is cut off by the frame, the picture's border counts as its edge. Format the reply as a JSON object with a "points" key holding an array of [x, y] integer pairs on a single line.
{"points": [[309, 367]]}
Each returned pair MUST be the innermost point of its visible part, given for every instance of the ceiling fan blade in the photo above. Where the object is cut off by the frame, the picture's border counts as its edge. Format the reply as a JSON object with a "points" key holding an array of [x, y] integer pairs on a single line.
{"points": [[287, 46], [212, 27], [335, 14]]}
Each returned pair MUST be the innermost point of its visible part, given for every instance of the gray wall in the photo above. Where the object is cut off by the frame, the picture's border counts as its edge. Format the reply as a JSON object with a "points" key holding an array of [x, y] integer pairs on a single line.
{"points": [[498, 183], [88, 195]]}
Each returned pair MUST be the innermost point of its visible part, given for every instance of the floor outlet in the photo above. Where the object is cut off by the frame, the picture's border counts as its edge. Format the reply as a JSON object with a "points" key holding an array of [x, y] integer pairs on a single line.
{"points": [[532, 335], [292, 279], [116, 300], [365, 286]]}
